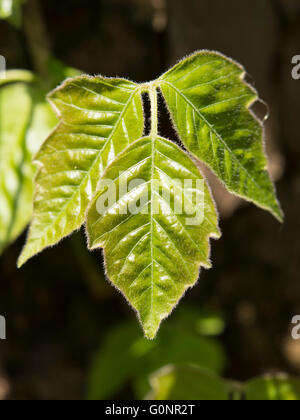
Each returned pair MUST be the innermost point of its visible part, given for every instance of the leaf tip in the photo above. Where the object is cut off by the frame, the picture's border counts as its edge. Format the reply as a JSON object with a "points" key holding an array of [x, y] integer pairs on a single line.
{"points": [[276, 210], [21, 261], [150, 334], [150, 330], [279, 214], [25, 256]]}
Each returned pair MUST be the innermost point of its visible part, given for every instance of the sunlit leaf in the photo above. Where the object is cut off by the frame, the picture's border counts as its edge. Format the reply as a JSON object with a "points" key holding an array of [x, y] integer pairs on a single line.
{"points": [[209, 103], [25, 119], [273, 388], [187, 383], [153, 255], [112, 369], [99, 118]]}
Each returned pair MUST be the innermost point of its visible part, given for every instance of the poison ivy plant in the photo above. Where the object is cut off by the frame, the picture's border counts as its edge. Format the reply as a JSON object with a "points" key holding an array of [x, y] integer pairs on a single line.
{"points": [[25, 119], [11, 10], [154, 245]]}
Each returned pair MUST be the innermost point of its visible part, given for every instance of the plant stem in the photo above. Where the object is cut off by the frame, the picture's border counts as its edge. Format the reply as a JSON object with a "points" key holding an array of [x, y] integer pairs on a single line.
{"points": [[154, 111]]}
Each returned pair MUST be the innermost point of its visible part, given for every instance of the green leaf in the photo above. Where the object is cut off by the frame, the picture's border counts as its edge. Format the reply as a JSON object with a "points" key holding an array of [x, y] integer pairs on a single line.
{"points": [[112, 369], [179, 346], [25, 119], [152, 255], [209, 103], [187, 383], [99, 118], [273, 388]]}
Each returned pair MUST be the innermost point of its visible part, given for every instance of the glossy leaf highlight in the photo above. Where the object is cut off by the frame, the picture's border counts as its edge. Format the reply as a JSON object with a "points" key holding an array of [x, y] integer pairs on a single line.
{"points": [[152, 257], [99, 118]]}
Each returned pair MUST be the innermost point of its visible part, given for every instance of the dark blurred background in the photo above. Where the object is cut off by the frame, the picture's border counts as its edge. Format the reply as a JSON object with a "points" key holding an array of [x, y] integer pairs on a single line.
{"points": [[59, 308]]}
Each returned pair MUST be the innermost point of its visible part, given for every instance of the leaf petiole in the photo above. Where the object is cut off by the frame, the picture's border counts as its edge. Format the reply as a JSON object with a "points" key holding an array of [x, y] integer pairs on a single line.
{"points": [[154, 110]]}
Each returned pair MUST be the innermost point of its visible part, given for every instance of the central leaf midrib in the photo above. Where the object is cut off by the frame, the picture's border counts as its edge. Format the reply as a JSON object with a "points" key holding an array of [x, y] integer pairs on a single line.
{"points": [[153, 141], [94, 162]]}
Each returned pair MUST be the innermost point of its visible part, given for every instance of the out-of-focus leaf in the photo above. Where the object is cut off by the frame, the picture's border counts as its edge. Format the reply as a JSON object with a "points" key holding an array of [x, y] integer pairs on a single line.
{"points": [[202, 320], [17, 76], [177, 346], [273, 388], [209, 103], [126, 356], [153, 255], [187, 383], [11, 10], [99, 118], [118, 361], [25, 119]]}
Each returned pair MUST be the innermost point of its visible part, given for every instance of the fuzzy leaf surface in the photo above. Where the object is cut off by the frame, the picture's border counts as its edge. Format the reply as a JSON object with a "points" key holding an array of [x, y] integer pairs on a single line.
{"points": [[153, 255], [209, 104], [99, 118]]}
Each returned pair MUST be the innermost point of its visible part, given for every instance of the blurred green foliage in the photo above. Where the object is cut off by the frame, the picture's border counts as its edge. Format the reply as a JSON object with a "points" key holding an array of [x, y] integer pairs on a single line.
{"points": [[11, 10], [187, 383], [194, 383], [26, 119], [273, 388], [201, 320], [126, 357]]}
